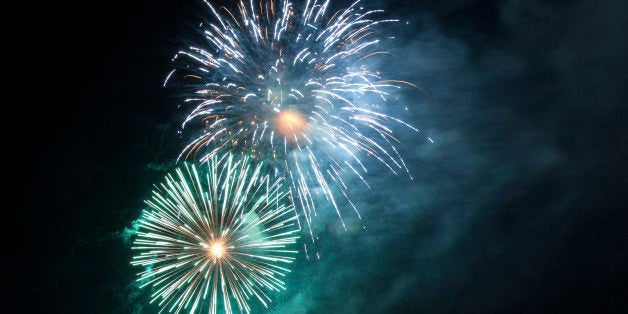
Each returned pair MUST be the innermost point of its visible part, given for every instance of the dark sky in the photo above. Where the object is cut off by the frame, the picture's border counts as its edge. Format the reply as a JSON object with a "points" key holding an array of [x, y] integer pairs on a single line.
{"points": [[519, 206]]}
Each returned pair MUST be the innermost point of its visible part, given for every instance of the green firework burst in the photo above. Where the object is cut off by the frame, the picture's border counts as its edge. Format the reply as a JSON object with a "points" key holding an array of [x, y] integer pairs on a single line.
{"points": [[216, 236]]}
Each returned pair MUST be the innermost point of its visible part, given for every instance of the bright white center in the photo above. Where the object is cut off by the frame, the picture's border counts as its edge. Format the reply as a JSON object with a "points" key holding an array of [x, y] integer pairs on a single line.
{"points": [[217, 250]]}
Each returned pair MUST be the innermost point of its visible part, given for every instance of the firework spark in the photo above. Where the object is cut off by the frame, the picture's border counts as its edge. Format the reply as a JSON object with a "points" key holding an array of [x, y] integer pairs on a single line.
{"points": [[290, 85], [215, 237]]}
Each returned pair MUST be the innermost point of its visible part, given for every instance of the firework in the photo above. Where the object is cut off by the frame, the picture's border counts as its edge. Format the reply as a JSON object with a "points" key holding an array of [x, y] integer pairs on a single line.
{"points": [[290, 85], [216, 237]]}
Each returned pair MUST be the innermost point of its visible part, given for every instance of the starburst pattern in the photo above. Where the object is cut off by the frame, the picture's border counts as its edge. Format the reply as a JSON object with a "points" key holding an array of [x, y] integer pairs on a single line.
{"points": [[291, 85], [216, 237]]}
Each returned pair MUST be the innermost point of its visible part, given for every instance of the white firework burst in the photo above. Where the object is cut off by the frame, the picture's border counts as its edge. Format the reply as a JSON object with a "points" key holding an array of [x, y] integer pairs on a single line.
{"points": [[291, 85]]}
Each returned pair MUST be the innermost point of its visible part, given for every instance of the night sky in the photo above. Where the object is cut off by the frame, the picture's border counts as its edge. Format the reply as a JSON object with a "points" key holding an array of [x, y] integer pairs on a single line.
{"points": [[519, 205]]}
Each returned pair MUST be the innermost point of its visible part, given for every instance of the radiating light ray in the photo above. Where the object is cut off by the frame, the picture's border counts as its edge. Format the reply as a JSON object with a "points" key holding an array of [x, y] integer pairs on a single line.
{"points": [[290, 84], [216, 237]]}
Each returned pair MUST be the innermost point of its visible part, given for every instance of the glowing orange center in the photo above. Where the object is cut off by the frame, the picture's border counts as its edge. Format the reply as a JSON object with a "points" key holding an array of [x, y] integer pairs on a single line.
{"points": [[290, 123]]}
